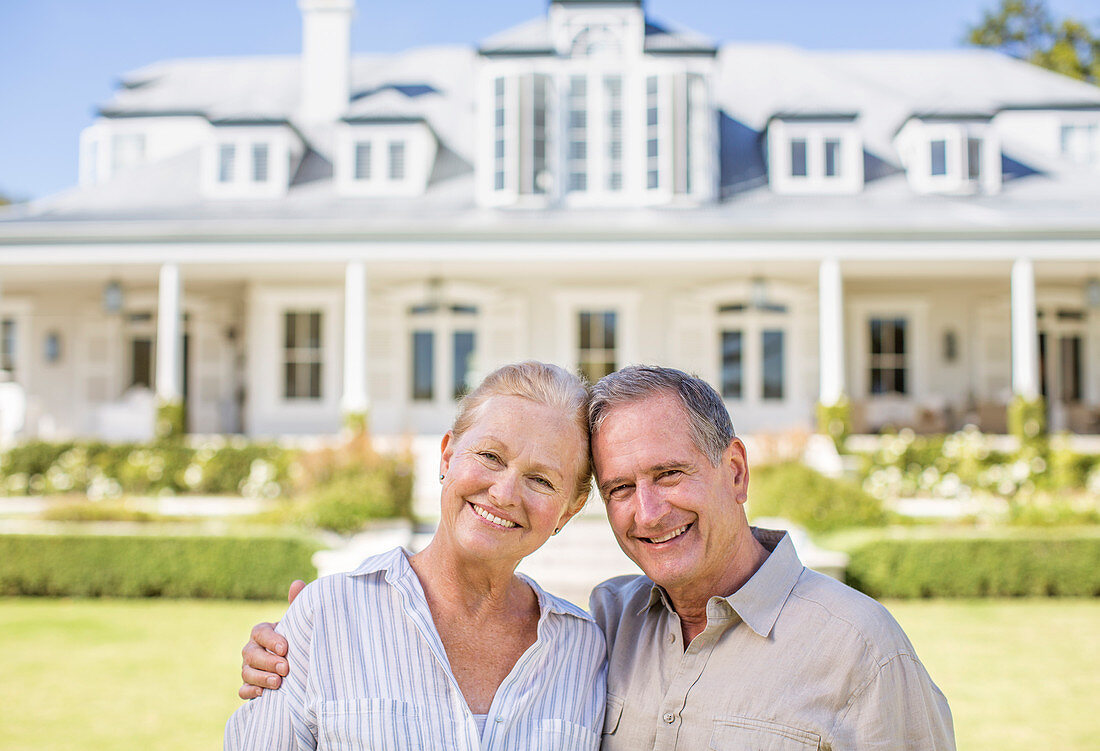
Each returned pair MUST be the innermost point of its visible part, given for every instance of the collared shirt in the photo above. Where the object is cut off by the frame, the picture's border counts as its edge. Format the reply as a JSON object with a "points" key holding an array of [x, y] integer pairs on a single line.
{"points": [[792, 660], [370, 672]]}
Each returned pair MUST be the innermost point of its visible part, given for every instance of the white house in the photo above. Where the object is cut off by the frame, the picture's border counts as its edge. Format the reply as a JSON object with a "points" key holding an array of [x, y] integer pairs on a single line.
{"points": [[280, 241]]}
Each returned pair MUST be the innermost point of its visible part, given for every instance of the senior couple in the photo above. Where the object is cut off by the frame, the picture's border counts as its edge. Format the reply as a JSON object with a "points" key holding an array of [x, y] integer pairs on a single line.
{"points": [[727, 642]]}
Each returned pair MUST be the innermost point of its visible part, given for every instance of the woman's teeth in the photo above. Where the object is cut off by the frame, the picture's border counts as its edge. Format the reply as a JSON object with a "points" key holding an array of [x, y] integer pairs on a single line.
{"points": [[494, 519]]}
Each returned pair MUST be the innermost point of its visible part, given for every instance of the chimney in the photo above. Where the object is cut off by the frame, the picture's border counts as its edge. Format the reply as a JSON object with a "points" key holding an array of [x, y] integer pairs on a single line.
{"points": [[326, 58]]}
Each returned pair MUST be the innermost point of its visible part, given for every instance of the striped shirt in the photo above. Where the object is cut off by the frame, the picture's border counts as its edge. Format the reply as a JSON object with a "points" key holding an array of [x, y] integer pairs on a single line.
{"points": [[370, 672]]}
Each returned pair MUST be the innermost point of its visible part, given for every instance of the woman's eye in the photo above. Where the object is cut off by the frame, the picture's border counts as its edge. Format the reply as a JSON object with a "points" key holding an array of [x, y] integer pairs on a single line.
{"points": [[544, 482]]}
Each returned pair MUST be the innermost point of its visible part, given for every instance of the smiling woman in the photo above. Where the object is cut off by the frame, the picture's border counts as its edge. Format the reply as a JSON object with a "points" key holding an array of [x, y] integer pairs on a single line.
{"points": [[393, 655]]}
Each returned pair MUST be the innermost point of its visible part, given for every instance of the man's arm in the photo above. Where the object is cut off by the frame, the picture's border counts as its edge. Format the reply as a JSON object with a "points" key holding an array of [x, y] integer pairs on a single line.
{"points": [[899, 707], [264, 657]]}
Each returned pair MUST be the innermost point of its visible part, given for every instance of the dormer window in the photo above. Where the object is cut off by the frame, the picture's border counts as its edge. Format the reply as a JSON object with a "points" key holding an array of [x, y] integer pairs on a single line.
{"points": [[815, 155], [227, 160], [362, 160], [259, 162], [1080, 142], [384, 158], [248, 161], [950, 156]]}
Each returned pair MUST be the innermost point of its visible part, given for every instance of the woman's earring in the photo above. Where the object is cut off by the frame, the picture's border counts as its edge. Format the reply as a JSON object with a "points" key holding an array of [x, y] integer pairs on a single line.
{"points": [[441, 478], [557, 530]]}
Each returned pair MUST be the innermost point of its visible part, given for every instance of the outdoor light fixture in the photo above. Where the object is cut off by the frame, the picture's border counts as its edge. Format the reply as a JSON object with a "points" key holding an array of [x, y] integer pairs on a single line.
{"points": [[112, 297], [1092, 292]]}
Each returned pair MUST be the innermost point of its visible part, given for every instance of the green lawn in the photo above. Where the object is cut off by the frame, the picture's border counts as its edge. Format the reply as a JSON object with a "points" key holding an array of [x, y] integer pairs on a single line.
{"points": [[152, 675]]}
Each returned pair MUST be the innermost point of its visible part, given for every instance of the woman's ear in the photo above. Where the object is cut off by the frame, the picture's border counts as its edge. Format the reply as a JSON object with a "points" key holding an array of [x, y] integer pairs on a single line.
{"points": [[446, 451]]}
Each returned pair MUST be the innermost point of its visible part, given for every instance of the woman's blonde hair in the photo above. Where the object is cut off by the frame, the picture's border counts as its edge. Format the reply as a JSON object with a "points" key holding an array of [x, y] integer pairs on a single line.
{"points": [[544, 384]]}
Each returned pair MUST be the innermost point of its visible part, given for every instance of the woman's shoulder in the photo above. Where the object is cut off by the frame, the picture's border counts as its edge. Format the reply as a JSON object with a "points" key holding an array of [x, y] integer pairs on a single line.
{"points": [[374, 571]]}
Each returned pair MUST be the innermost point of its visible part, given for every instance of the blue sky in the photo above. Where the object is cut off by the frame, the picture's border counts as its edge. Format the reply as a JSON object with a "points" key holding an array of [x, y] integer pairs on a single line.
{"points": [[59, 58]]}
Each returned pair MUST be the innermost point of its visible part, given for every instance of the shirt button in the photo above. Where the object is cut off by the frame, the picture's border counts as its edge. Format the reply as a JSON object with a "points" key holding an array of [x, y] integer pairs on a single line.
{"points": [[500, 719], [672, 638], [669, 718]]}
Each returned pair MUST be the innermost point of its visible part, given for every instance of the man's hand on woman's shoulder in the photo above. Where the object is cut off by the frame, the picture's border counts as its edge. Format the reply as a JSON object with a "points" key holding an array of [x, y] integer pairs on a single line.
{"points": [[264, 661]]}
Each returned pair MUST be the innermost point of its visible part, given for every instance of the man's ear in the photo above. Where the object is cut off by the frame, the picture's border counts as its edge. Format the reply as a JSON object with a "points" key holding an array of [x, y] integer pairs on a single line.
{"points": [[737, 460], [446, 451]]}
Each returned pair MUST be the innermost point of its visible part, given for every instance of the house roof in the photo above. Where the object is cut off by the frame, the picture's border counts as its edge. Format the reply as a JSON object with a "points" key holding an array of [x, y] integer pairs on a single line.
{"points": [[752, 83]]}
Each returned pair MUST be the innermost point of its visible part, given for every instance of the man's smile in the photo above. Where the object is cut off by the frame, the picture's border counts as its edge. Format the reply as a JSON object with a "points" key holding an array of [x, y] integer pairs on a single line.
{"points": [[667, 536]]}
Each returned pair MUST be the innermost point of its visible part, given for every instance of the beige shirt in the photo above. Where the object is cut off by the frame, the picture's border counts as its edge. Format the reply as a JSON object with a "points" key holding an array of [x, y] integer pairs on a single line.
{"points": [[792, 660]]}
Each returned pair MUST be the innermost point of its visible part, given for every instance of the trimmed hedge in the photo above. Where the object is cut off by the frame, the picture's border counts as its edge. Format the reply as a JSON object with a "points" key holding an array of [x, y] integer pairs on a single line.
{"points": [[1010, 567], [239, 568]]}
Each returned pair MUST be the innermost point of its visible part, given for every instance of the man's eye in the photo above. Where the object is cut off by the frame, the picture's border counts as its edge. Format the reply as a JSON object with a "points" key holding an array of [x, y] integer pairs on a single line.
{"points": [[488, 455], [669, 473]]}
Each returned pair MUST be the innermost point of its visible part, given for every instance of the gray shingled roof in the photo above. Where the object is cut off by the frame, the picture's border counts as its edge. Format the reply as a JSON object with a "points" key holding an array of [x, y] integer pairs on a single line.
{"points": [[753, 82]]}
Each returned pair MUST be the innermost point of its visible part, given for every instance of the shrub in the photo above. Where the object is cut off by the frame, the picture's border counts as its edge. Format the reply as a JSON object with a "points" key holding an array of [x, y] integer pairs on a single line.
{"points": [[248, 568], [835, 421], [348, 501], [1010, 567], [798, 493], [171, 421], [1027, 420]]}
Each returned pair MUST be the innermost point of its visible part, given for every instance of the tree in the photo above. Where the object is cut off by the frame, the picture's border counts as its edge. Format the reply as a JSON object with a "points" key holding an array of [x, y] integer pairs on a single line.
{"points": [[1025, 29]]}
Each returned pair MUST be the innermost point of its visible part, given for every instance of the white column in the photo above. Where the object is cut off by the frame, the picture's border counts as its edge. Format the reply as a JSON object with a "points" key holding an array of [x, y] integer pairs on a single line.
{"points": [[169, 339], [355, 339], [1025, 335], [831, 338]]}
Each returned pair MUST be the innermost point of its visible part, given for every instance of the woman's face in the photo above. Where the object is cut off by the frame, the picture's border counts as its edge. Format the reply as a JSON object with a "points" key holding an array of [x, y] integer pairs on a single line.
{"points": [[510, 479]]}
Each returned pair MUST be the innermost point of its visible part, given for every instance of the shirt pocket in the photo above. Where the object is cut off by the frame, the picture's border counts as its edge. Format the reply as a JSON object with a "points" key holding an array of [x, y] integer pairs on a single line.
{"points": [[368, 725], [612, 713], [748, 734], [562, 735]]}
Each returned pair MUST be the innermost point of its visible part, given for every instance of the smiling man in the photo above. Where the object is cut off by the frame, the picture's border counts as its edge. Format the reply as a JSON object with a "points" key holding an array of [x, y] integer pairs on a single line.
{"points": [[728, 641]]}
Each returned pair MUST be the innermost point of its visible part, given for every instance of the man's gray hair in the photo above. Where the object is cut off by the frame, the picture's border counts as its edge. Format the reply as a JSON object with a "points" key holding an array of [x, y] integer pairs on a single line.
{"points": [[708, 420]]}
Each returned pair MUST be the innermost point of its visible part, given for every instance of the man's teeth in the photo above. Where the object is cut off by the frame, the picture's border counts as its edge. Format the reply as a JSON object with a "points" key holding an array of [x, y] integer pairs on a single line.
{"points": [[494, 519], [674, 533]]}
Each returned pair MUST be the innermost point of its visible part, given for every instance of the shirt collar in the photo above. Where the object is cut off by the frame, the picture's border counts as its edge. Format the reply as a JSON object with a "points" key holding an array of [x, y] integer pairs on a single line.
{"points": [[395, 565], [759, 600]]}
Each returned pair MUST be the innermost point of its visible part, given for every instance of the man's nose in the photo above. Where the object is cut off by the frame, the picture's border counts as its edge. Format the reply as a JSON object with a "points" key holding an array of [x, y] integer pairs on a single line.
{"points": [[650, 506]]}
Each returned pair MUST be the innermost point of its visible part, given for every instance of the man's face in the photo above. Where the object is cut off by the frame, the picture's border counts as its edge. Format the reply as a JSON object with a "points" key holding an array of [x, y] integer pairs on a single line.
{"points": [[673, 512]]}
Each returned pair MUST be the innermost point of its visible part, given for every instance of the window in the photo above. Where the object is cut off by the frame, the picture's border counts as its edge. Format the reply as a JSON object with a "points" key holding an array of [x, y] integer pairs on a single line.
{"points": [[752, 340], [773, 363], [8, 342], [397, 160], [832, 157], [141, 361], [540, 177], [227, 156], [973, 158], [613, 101], [596, 343], [302, 354], [798, 158], [939, 157], [423, 367], [127, 150], [888, 356], [578, 134], [1081, 142], [259, 162], [498, 134], [434, 324], [362, 160], [653, 134], [732, 364]]}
